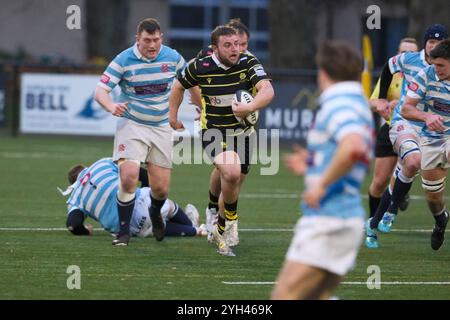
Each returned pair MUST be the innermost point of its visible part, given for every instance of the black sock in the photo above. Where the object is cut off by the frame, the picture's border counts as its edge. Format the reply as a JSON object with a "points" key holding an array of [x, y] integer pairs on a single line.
{"points": [[399, 192], [441, 218], [374, 202], [220, 224], [155, 207], [231, 211], [382, 207], [125, 212], [213, 202]]}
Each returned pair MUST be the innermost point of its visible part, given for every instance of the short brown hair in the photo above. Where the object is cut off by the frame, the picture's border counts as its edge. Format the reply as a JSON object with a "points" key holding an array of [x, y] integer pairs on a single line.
{"points": [[150, 25], [442, 50], [409, 40], [221, 31], [340, 61], [73, 173], [239, 26]]}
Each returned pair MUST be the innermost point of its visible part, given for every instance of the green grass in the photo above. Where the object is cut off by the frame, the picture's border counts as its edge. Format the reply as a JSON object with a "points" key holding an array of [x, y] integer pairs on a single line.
{"points": [[34, 263]]}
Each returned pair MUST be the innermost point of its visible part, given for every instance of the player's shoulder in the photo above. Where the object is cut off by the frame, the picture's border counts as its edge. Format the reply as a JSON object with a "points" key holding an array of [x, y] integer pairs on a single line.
{"points": [[168, 53], [248, 58], [205, 52], [125, 56]]}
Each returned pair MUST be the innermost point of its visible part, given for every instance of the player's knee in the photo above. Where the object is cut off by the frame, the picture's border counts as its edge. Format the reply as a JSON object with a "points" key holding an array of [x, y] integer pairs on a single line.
{"points": [[232, 174], [160, 191], [379, 184], [407, 148], [433, 188], [127, 183], [412, 164]]}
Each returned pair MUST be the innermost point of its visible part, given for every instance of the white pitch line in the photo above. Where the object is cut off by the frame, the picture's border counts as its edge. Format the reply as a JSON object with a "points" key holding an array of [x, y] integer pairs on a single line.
{"points": [[243, 230], [297, 196], [394, 283]]}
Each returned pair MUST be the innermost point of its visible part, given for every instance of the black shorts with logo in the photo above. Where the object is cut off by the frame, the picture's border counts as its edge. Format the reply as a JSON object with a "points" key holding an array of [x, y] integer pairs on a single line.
{"points": [[215, 144], [383, 146]]}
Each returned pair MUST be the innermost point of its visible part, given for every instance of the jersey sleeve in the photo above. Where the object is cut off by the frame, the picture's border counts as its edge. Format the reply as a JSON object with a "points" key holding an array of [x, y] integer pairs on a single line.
{"points": [[396, 63], [256, 70], [188, 77], [181, 64], [112, 75]]}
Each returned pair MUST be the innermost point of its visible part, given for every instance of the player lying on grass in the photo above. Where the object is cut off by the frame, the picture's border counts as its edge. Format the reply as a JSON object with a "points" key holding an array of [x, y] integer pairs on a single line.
{"points": [[93, 194]]}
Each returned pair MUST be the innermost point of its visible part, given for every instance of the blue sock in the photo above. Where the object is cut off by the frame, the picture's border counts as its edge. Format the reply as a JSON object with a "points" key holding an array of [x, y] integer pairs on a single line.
{"points": [[181, 217], [176, 230]]}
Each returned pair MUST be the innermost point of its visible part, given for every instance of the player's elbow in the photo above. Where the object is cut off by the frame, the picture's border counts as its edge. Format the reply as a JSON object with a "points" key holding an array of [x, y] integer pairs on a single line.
{"points": [[356, 148]]}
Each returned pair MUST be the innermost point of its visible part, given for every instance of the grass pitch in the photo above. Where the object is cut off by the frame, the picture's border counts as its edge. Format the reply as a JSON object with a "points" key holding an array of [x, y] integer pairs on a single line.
{"points": [[34, 261]]}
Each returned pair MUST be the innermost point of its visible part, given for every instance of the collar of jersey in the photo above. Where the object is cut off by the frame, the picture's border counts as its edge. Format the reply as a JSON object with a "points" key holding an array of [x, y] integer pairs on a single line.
{"points": [[422, 57], [219, 64], [344, 87], [139, 55]]}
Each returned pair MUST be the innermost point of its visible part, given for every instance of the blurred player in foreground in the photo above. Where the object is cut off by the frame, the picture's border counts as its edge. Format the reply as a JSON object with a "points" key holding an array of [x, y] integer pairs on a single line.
{"points": [[328, 236]]}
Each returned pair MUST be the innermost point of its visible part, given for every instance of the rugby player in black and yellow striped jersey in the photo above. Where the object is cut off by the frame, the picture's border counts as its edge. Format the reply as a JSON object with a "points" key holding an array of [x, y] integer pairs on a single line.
{"points": [[219, 77], [231, 235]]}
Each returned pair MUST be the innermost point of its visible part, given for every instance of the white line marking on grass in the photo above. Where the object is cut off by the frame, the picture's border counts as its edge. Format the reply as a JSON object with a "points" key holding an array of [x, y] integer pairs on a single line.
{"points": [[394, 283], [243, 230], [297, 196], [39, 229]]}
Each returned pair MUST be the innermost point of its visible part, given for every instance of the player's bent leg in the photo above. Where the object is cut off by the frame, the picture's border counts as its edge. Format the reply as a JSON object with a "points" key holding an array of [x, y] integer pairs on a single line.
{"points": [[433, 182], [409, 154], [159, 178]]}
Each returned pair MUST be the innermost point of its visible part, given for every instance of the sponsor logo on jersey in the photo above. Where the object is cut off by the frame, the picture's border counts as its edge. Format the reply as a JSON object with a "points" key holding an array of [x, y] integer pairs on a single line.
{"points": [[104, 79], [413, 86], [165, 68], [151, 88]]}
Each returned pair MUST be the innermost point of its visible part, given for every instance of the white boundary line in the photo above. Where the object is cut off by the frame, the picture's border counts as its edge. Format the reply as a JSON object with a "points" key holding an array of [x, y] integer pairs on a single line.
{"points": [[394, 283], [297, 196], [243, 230]]}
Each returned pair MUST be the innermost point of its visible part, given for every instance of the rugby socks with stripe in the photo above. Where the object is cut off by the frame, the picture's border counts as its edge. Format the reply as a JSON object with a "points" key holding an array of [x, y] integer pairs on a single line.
{"points": [[125, 212], [231, 211], [441, 218]]}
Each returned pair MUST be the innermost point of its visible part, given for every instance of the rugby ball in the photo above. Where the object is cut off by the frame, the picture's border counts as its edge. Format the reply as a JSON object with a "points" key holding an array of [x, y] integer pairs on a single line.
{"points": [[245, 97]]}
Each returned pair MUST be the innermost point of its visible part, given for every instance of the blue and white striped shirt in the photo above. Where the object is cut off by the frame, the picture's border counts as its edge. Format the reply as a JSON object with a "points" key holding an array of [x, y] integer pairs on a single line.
{"points": [[410, 63], [145, 83], [95, 193], [435, 95], [344, 110]]}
